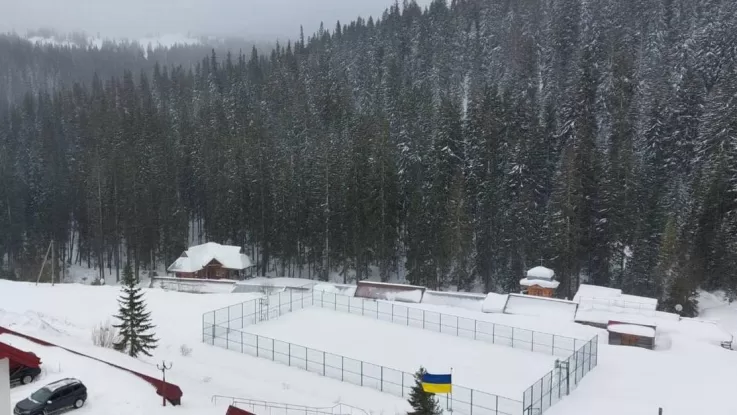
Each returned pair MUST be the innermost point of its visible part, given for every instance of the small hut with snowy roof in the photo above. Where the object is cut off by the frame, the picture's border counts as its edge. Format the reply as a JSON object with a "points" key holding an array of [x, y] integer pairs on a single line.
{"points": [[540, 281]]}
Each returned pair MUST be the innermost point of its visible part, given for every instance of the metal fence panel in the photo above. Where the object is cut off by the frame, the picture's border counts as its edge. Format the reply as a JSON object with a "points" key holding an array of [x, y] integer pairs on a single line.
{"points": [[222, 328]]}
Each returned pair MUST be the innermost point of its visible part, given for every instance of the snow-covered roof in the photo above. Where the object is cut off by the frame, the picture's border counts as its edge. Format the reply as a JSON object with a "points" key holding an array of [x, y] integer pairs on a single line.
{"points": [[540, 273], [594, 296], [494, 303], [530, 305], [633, 329], [197, 257], [527, 282], [584, 315], [61, 383]]}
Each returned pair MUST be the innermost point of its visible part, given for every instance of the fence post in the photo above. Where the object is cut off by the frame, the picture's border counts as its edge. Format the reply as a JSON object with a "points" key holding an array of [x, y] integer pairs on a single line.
{"points": [[471, 409], [349, 305], [550, 401], [227, 338], [402, 375], [213, 330], [362, 308], [440, 325], [228, 318], [381, 379], [377, 307], [256, 315], [553, 347], [323, 363], [496, 407], [493, 333], [257, 336], [273, 350], [512, 337], [532, 346], [407, 316]]}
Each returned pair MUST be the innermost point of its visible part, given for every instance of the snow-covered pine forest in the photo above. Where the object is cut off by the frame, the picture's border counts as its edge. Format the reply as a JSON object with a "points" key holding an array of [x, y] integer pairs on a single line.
{"points": [[455, 146]]}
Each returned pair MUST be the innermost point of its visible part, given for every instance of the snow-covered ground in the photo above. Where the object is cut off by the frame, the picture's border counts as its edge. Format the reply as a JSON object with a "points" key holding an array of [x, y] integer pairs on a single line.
{"points": [[687, 374], [66, 313], [490, 368]]}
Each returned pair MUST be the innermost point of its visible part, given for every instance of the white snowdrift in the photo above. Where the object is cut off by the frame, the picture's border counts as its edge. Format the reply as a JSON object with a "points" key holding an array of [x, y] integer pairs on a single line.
{"points": [[494, 303]]}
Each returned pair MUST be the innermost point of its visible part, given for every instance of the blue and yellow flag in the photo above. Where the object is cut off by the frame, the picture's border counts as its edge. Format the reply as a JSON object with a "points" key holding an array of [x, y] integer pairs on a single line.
{"points": [[436, 383]]}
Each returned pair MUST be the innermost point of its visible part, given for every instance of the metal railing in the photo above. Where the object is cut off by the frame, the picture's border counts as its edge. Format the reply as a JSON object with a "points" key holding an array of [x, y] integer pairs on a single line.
{"points": [[278, 408]]}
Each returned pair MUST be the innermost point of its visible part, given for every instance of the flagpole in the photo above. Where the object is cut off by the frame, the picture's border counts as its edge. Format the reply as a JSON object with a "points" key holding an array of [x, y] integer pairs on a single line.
{"points": [[451, 391]]}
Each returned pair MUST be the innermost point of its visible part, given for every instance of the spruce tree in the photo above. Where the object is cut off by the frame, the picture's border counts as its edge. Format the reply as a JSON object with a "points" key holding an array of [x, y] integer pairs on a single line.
{"points": [[135, 322], [423, 403]]}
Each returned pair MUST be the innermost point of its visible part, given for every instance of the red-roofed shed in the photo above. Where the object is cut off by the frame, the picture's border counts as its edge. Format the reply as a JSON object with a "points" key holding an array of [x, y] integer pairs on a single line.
{"points": [[18, 357]]}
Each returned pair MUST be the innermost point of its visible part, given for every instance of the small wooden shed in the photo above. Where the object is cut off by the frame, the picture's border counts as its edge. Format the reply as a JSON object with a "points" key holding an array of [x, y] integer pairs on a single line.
{"points": [[631, 334], [539, 282]]}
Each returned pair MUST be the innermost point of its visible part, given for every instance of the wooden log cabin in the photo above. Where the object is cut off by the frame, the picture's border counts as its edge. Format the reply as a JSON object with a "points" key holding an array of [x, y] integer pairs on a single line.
{"points": [[211, 261]]}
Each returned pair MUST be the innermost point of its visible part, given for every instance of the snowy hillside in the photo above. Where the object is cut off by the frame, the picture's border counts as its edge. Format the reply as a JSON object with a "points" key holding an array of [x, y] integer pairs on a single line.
{"points": [[686, 374]]}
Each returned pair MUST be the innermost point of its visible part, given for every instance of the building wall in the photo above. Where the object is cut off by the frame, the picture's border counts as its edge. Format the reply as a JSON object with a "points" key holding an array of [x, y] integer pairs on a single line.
{"points": [[539, 291], [619, 339], [5, 407]]}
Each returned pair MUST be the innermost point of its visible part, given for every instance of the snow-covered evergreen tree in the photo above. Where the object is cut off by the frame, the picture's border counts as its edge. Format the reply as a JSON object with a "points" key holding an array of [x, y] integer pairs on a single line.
{"points": [[134, 322]]}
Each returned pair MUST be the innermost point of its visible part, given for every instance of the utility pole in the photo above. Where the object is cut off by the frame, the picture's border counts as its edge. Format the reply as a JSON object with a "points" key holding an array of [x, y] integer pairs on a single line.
{"points": [[44, 263], [163, 368]]}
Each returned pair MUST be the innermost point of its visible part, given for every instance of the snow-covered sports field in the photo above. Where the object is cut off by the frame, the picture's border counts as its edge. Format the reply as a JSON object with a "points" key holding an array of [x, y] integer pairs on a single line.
{"points": [[478, 365], [687, 374]]}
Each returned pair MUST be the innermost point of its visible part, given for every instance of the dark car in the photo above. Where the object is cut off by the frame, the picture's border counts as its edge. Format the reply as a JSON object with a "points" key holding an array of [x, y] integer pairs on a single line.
{"points": [[54, 398], [23, 374]]}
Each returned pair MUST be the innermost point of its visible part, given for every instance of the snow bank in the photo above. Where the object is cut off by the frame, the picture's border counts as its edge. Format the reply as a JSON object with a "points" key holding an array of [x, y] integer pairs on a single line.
{"points": [[594, 296], [529, 305], [468, 301], [494, 303], [633, 329], [279, 282], [341, 289], [193, 285], [413, 296]]}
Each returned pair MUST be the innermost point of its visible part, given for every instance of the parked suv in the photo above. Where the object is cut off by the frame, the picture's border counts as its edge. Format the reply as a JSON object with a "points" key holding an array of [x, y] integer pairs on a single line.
{"points": [[54, 398], [23, 374]]}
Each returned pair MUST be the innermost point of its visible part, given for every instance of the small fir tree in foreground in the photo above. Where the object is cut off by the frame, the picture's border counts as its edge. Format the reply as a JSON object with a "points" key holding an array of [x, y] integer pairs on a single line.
{"points": [[135, 322], [423, 403]]}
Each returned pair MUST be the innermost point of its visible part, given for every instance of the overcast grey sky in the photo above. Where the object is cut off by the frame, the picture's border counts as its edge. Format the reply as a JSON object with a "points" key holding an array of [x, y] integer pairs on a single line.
{"points": [[137, 18]]}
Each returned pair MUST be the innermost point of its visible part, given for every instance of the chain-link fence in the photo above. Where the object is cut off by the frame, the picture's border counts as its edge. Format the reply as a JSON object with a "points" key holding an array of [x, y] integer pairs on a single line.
{"points": [[494, 333], [357, 372], [273, 306], [564, 378], [223, 328]]}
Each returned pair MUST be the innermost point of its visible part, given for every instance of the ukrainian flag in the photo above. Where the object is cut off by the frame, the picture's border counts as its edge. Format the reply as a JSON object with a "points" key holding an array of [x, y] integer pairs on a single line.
{"points": [[436, 383]]}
